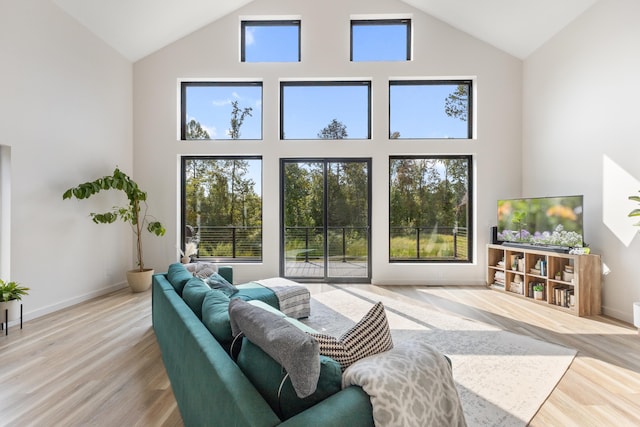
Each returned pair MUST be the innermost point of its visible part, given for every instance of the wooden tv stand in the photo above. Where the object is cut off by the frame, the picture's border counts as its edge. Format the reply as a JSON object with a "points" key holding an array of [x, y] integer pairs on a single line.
{"points": [[572, 283]]}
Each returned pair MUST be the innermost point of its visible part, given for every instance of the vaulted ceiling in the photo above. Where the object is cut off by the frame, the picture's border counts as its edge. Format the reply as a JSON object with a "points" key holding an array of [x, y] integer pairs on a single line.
{"points": [[137, 28]]}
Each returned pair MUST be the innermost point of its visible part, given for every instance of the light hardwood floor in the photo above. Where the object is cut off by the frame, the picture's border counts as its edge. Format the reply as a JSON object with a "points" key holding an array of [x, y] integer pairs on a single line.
{"points": [[98, 363]]}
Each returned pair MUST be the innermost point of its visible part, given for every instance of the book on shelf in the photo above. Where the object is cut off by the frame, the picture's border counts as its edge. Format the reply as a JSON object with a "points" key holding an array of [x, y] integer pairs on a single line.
{"points": [[562, 296]]}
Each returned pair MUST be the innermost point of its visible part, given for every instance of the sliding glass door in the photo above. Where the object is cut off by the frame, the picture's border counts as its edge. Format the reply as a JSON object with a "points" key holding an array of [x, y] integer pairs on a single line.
{"points": [[325, 217]]}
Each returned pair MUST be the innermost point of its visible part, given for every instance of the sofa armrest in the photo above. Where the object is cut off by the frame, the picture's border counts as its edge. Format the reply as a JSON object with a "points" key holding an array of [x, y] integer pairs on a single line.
{"points": [[226, 271], [350, 407]]}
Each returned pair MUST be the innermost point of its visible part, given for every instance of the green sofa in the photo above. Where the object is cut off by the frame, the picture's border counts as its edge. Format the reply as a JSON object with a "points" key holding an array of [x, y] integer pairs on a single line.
{"points": [[210, 388]]}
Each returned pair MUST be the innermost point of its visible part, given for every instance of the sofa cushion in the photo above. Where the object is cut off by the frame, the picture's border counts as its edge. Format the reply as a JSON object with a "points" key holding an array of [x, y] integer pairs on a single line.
{"points": [[266, 375], [369, 336], [178, 276], [296, 351], [193, 294], [254, 291], [215, 316], [216, 281]]}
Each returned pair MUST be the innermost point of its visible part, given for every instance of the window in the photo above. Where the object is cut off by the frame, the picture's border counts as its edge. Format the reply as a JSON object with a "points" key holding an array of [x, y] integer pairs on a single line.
{"points": [[221, 110], [430, 209], [325, 110], [270, 41], [381, 40], [222, 207], [430, 109]]}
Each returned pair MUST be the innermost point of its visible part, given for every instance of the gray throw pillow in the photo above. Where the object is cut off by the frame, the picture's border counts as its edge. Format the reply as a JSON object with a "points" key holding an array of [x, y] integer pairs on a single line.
{"points": [[216, 281], [297, 351]]}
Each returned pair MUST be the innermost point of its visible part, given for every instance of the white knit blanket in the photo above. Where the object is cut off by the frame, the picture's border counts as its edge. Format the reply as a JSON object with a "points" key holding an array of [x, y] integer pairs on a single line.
{"points": [[293, 298], [409, 385]]}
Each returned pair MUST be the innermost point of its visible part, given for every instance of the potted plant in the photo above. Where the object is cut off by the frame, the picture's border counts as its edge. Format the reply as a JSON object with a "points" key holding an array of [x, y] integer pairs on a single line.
{"points": [[10, 295], [538, 292], [190, 249], [135, 214]]}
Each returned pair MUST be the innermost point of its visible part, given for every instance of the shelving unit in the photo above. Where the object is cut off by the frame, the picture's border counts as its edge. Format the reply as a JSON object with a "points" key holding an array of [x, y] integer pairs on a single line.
{"points": [[572, 283]]}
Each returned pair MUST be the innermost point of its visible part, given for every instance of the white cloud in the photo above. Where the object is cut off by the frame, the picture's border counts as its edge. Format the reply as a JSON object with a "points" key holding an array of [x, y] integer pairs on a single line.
{"points": [[220, 102], [248, 37]]}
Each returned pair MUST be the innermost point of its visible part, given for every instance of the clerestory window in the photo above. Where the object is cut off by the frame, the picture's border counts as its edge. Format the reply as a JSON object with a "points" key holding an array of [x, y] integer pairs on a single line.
{"points": [[430, 109], [270, 41], [221, 110], [325, 110], [381, 40]]}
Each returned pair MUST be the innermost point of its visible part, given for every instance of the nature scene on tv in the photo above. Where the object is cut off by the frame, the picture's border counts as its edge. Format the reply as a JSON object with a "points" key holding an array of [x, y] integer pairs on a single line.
{"points": [[549, 221]]}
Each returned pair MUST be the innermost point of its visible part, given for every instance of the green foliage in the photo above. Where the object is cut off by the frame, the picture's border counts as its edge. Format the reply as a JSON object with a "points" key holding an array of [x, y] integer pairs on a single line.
{"points": [[237, 119], [457, 103], [195, 131], [219, 192], [334, 130], [426, 192], [131, 214], [12, 291], [635, 212]]}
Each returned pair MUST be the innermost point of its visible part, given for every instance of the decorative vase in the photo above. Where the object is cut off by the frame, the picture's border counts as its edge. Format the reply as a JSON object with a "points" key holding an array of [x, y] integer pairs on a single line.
{"points": [[139, 281], [14, 310], [185, 260]]}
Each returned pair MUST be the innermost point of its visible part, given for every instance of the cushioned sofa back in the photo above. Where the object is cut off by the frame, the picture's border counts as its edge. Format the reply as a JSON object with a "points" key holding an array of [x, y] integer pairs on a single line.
{"points": [[266, 375], [209, 387]]}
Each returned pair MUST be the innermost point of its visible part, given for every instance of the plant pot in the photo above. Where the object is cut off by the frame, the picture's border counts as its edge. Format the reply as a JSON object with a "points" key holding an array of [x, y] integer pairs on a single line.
{"points": [[139, 281], [185, 260], [539, 295], [14, 310]]}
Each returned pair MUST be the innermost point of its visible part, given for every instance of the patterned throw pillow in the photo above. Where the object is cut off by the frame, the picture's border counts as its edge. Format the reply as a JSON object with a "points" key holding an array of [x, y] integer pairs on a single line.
{"points": [[369, 336]]}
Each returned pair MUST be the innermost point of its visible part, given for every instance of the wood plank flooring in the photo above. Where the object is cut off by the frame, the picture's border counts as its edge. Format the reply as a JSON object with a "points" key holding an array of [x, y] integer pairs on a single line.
{"points": [[98, 363]]}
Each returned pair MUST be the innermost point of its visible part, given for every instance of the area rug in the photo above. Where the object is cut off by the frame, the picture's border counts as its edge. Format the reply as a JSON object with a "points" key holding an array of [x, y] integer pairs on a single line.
{"points": [[502, 378]]}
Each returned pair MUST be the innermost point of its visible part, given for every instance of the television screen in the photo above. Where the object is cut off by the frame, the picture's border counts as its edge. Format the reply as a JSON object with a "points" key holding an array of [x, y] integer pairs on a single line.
{"points": [[546, 221]]}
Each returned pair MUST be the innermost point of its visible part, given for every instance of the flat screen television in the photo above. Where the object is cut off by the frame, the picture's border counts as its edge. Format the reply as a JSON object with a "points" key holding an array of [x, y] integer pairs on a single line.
{"points": [[555, 222]]}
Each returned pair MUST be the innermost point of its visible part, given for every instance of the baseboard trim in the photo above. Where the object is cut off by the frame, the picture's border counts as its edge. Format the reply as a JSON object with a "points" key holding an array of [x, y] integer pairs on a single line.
{"points": [[68, 303]]}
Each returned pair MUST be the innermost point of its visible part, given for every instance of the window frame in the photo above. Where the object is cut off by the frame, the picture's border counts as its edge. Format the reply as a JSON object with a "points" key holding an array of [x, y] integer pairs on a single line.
{"points": [[268, 23], [323, 83], [372, 22], [216, 83], [183, 211], [434, 82], [470, 211]]}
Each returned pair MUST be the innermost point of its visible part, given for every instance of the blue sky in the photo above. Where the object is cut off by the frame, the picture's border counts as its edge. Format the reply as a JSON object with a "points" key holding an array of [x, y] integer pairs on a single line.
{"points": [[415, 111]]}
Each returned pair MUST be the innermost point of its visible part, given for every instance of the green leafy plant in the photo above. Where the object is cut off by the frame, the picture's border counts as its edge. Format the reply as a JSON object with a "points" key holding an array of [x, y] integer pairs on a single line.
{"points": [[538, 288], [135, 213], [12, 291], [635, 212]]}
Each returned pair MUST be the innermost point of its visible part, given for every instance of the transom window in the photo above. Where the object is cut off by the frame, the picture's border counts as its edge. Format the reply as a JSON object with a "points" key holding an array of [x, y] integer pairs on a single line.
{"points": [[270, 41], [221, 110], [430, 209], [325, 110], [381, 40], [430, 109], [222, 206]]}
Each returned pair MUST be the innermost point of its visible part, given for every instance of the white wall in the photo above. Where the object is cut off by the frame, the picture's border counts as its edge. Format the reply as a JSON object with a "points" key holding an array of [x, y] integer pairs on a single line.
{"points": [[439, 50], [581, 130], [66, 114]]}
